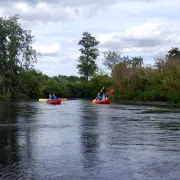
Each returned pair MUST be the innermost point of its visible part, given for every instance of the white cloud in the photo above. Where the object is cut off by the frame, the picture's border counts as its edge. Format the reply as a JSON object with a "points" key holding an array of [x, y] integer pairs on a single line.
{"points": [[22, 6], [45, 12], [146, 38], [152, 7], [146, 30], [141, 31], [48, 50]]}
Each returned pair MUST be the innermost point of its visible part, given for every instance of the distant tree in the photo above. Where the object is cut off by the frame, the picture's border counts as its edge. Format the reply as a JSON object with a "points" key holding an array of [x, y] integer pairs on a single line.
{"points": [[133, 62], [136, 62], [111, 58], [160, 61], [89, 54], [174, 52], [173, 56], [125, 62], [61, 78]]}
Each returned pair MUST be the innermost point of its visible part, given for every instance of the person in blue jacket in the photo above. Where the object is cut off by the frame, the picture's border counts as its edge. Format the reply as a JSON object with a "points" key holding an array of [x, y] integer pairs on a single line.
{"points": [[103, 96], [50, 96], [98, 96], [54, 97]]}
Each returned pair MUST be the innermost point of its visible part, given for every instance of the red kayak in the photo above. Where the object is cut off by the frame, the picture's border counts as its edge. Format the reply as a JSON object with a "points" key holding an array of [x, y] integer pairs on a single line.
{"points": [[54, 101], [105, 101]]}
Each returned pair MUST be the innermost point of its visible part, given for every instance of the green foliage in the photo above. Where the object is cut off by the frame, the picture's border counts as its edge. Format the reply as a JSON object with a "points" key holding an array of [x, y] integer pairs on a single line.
{"points": [[133, 62], [136, 62], [16, 54], [32, 84], [52, 86], [173, 52], [149, 84], [89, 54], [61, 78], [100, 81]]}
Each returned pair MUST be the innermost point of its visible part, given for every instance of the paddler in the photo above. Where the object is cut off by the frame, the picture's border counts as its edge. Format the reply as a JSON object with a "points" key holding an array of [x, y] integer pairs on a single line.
{"points": [[54, 97], [98, 96], [50, 96]]}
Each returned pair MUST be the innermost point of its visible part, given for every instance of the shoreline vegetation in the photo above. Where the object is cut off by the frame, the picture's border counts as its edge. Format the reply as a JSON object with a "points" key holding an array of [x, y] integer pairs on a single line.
{"points": [[133, 81]]}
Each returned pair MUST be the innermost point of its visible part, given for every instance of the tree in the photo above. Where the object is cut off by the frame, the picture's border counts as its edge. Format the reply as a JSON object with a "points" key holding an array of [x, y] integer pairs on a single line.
{"points": [[136, 62], [16, 53], [174, 52], [62, 78], [133, 62], [89, 54], [173, 56], [32, 84], [125, 62], [160, 61], [111, 58]]}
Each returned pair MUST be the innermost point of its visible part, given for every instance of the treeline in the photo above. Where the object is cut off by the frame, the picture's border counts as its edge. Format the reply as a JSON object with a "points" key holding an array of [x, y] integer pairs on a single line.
{"points": [[130, 78], [160, 82], [37, 85]]}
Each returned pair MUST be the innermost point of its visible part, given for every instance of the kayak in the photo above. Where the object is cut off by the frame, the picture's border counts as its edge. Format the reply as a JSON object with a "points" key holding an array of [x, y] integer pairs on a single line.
{"points": [[63, 99], [105, 101], [53, 101]]}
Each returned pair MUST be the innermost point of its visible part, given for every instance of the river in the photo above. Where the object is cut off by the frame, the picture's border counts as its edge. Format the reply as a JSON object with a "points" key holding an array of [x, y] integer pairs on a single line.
{"points": [[80, 141]]}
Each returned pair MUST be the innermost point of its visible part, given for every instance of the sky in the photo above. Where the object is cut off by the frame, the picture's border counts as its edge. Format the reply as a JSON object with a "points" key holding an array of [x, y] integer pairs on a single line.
{"points": [[146, 28]]}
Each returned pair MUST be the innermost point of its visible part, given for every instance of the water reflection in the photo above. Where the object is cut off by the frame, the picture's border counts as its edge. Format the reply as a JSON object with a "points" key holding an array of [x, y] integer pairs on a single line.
{"points": [[173, 126], [15, 140], [89, 135], [9, 150], [8, 112], [22, 111]]}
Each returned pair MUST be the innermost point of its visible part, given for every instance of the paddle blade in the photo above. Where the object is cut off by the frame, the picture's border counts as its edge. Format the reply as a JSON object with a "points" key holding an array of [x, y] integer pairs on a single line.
{"points": [[110, 91]]}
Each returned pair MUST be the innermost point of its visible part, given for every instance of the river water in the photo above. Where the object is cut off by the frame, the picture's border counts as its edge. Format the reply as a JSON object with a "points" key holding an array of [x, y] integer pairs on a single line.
{"points": [[80, 141]]}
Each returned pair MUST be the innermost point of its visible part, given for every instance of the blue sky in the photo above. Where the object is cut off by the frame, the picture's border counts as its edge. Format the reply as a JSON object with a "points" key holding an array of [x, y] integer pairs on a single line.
{"points": [[132, 27]]}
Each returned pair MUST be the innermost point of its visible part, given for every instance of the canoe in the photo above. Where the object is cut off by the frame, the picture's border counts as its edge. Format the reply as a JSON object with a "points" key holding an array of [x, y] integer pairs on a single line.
{"points": [[62, 99], [53, 101], [105, 101]]}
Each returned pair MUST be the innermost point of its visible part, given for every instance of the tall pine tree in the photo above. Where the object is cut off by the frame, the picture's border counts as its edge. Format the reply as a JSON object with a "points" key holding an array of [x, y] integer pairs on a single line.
{"points": [[89, 54]]}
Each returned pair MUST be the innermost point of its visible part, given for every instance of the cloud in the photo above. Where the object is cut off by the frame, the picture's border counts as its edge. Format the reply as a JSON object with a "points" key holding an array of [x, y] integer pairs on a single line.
{"points": [[146, 38], [58, 10], [146, 7], [48, 50], [54, 10], [44, 12], [55, 68], [67, 3]]}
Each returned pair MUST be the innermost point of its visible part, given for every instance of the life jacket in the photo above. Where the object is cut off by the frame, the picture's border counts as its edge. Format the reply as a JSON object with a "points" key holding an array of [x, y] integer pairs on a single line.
{"points": [[54, 97]]}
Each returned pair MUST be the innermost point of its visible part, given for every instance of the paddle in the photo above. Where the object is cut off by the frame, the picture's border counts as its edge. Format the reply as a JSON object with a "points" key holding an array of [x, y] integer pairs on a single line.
{"points": [[102, 89], [110, 91]]}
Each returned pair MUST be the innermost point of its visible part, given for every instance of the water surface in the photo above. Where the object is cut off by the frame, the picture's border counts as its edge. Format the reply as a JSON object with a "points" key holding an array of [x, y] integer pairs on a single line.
{"points": [[80, 141]]}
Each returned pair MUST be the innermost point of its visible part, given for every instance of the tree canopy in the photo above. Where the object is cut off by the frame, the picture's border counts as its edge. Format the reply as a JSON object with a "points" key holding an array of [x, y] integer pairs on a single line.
{"points": [[89, 53], [16, 53]]}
